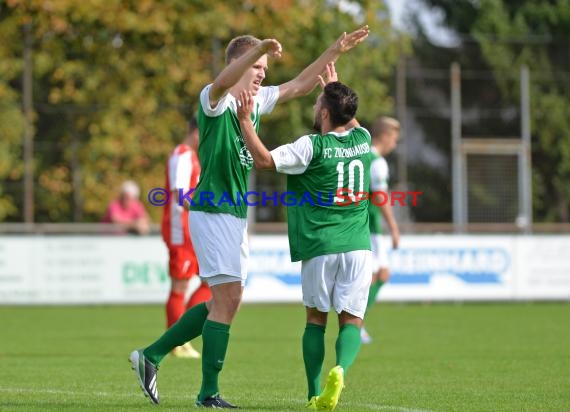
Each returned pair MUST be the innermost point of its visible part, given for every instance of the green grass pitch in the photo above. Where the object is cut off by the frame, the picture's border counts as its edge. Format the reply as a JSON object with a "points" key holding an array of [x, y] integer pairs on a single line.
{"points": [[438, 357]]}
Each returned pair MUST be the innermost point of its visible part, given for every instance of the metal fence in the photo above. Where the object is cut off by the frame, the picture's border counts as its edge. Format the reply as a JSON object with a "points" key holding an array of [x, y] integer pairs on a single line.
{"points": [[470, 160]]}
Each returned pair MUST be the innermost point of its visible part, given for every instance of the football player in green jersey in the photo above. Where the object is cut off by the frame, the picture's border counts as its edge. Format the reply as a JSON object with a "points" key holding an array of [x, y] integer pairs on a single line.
{"points": [[329, 232], [385, 135], [218, 223]]}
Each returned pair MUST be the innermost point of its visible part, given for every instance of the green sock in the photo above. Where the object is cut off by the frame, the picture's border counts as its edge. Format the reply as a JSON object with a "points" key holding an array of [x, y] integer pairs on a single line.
{"points": [[373, 292], [347, 345], [313, 356], [188, 327], [215, 337]]}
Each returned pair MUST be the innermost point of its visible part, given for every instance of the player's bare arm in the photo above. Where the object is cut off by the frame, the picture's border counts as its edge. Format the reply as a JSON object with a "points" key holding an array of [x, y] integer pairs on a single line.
{"points": [[386, 211], [307, 80], [236, 69], [261, 157]]}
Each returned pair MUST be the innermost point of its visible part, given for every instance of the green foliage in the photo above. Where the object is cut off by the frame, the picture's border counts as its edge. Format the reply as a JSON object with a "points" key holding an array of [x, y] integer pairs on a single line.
{"points": [[11, 118], [114, 81], [542, 22], [512, 33]]}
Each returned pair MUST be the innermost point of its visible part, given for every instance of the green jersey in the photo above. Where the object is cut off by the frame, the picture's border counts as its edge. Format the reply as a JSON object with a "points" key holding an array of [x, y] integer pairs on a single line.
{"points": [[378, 183], [226, 162], [328, 176]]}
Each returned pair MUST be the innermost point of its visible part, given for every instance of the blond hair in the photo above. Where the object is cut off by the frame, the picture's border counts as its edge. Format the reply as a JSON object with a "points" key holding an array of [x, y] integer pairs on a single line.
{"points": [[384, 125], [239, 45]]}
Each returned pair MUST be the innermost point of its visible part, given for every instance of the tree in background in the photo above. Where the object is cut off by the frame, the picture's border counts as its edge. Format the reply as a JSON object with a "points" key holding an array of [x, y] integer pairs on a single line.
{"points": [[500, 36], [537, 34], [114, 81], [11, 117]]}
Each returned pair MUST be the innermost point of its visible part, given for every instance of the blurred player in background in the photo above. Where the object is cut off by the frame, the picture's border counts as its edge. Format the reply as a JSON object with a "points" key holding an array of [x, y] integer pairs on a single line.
{"points": [[182, 172], [128, 211], [221, 227], [385, 135], [332, 241]]}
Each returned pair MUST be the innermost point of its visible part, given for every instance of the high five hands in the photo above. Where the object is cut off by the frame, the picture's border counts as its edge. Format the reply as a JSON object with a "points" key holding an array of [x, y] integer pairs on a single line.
{"points": [[347, 41], [330, 75], [272, 48], [344, 43]]}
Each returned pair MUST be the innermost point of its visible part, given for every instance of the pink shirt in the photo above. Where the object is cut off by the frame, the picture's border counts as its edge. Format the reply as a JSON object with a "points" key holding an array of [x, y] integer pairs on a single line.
{"points": [[115, 211]]}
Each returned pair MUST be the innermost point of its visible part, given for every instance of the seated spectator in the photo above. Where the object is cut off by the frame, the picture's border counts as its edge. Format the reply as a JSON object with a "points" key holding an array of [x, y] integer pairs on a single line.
{"points": [[127, 210]]}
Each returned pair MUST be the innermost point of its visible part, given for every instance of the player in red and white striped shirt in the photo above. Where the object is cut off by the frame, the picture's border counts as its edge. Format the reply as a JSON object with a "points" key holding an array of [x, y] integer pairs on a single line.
{"points": [[182, 172]]}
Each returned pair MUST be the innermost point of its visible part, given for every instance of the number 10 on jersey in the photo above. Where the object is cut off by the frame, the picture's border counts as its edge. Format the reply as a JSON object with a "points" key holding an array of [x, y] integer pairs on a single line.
{"points": [[355, 194]]}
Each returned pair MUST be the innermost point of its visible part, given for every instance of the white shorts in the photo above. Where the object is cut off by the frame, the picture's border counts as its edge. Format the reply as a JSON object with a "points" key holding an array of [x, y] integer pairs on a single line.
{"points": [[221, 245], [339, 280], [379, 252]]}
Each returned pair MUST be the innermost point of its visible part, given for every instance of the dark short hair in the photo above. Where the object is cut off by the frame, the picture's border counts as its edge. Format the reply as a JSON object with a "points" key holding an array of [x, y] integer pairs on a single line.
{"points": [[341, 102], [239, 45]]}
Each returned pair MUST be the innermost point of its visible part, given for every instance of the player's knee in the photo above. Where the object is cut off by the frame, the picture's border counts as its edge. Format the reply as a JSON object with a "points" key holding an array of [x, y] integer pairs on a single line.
{"points": [[226, 305], [233, 304], [345, 318], [316, 317], [226, 299]]}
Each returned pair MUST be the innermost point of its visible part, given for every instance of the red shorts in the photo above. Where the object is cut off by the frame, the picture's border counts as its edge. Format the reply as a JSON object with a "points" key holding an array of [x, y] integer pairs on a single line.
{"points": [[182, 262]]}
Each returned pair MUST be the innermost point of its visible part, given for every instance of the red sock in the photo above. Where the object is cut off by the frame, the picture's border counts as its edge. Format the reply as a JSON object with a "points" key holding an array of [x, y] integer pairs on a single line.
{"points": [[202, 294], [174, 308]]}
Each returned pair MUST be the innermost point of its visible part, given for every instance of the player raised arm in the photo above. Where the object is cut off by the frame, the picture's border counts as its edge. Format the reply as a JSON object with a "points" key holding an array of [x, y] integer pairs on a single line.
{"points": [[261, 157], [330, 75], [233, 72], [306, 81]]}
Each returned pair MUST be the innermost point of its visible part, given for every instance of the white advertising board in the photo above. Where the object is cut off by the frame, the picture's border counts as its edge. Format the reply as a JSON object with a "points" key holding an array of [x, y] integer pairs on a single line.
{"points": [[543, 267], [442, 267], [78, 269], [116, 269]]}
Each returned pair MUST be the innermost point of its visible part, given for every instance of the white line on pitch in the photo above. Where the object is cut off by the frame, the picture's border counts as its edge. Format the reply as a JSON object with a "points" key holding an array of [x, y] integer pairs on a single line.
{"points": [[369, 406]]}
